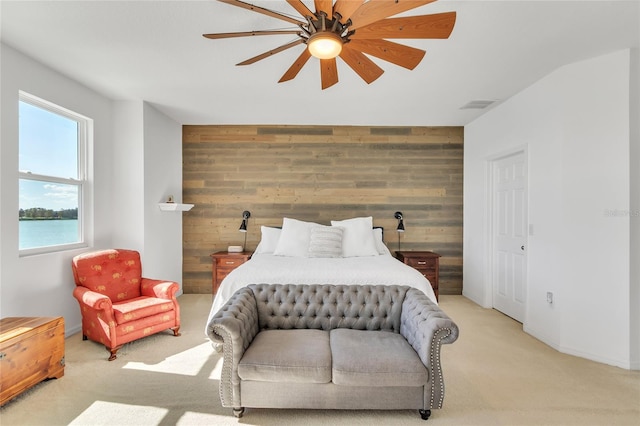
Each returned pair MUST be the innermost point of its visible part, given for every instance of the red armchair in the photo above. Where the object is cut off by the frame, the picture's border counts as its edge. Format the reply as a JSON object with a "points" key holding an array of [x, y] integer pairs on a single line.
{"points": [[117, 304]]}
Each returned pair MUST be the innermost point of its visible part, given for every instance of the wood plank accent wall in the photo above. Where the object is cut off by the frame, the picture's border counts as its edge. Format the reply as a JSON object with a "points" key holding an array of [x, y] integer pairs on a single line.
{"points": [[319, 174]]}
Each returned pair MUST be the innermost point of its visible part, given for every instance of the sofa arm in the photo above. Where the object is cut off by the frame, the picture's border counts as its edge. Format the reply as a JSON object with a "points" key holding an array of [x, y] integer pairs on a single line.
{"points": [[235, 325], [159, 288], [426, 327]]}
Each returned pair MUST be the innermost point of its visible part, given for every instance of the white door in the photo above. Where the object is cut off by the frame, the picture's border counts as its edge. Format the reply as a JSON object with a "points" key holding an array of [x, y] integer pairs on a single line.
{"points": [[510, 226]]}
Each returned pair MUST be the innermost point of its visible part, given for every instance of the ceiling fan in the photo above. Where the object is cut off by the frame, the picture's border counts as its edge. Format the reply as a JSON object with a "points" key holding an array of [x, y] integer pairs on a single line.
{"points": [[350, 29]]}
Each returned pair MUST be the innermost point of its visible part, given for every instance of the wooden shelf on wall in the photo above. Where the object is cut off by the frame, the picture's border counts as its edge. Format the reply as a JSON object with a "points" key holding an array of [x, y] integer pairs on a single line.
{"points": [[170, 207]]}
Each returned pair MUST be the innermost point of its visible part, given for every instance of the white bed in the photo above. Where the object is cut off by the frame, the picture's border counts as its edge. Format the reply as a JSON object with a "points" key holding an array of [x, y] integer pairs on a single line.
{"points": [[283, 259]]}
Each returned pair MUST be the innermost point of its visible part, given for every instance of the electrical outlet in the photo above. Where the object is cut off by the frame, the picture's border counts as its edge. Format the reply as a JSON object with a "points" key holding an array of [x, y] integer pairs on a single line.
{"points": [[549, 297]]}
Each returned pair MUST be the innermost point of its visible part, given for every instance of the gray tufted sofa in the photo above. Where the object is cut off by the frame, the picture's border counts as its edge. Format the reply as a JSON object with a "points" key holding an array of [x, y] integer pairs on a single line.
{"points": [[331, 347]]}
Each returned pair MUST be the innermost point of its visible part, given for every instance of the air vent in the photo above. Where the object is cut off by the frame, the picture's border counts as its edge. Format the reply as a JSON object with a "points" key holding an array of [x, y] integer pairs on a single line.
{"points": [[477, 104]]}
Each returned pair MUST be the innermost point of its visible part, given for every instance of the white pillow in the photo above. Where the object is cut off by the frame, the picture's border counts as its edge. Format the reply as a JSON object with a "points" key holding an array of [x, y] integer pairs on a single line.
{"points": [[380, 245], [357, 239], [269, 240], [325, 241], [294, 238]]}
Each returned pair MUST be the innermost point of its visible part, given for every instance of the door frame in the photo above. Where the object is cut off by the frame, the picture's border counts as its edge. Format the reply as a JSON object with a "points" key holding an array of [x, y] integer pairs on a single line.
{"points": [[489, 220]]}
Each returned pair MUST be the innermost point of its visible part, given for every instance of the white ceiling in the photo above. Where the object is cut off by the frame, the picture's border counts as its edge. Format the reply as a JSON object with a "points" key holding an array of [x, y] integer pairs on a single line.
{"points": [[154, 51]]}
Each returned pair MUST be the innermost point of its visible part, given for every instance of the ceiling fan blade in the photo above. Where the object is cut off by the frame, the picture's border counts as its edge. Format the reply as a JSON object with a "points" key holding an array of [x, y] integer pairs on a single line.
{"points": [[262, 10], [293, 71], [346, 8], [399, 54], [363, 66], [271, 52], [300, 7], [250, 33], [375, 10], [438, 25], [328, 72], [325, 6]]}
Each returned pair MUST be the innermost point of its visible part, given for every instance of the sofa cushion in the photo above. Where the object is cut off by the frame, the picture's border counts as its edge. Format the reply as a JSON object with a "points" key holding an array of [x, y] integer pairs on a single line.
{"points": [[140, 307], [374, 358], [299, 356]]}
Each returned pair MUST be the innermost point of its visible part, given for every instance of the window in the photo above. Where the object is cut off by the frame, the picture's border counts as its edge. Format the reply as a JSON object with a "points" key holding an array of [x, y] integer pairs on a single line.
{"points": [[52, 176]]}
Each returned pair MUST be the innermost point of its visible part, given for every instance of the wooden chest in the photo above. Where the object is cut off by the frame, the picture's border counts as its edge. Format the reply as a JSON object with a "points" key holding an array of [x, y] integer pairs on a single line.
{"points": [[31, 350]]}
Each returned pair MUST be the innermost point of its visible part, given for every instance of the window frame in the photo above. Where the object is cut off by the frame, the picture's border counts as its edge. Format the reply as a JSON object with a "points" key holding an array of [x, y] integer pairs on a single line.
{"points": [[84, 138]]}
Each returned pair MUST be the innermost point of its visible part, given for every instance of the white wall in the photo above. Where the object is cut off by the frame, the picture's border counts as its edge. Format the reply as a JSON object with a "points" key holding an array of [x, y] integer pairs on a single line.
{"points": [[575, 126], [42, 285], [148, 168], [634, 160], [128, 176], [130, 156], [163, 177]]}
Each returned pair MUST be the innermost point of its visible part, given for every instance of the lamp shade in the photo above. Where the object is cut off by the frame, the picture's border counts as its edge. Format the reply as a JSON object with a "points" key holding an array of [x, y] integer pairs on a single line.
{"points": [[398, 215], [324, 45], [243, 226]]}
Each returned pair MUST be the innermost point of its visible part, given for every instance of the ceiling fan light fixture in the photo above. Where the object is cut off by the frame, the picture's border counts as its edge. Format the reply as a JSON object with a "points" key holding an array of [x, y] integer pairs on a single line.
{"points": [[324, 45]]}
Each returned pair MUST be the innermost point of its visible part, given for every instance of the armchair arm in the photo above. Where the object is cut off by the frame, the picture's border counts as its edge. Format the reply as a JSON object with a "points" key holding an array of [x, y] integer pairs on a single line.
{"points": [[159, 288], [97, 310], [92, 299], [235, 325], [426, 327]]}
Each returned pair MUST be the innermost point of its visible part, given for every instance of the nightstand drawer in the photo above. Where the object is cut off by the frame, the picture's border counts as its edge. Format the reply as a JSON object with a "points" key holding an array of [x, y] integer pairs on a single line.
{"points": [[229, 262], [421, 263], [221, 274], [431, 276]]}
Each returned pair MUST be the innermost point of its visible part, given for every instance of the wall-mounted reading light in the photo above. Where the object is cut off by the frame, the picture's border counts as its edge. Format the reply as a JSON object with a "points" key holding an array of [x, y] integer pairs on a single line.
{"points": [[400, 228], [243, 226], [245, 216]]}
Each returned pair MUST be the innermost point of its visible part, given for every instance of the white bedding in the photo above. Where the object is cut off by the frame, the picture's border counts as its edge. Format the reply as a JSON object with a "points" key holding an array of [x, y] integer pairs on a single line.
{"points": [[271, 269]]}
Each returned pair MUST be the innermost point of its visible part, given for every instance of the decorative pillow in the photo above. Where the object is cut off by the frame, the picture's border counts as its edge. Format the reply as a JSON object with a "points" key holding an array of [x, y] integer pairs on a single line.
{"points": [[269, 240], [325, 241], [380, 245], [357, 238], [294, 238]]}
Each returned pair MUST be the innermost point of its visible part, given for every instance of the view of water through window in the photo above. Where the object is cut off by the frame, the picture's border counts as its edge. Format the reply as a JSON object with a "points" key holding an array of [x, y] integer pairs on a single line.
{"points": [[48, 186]]}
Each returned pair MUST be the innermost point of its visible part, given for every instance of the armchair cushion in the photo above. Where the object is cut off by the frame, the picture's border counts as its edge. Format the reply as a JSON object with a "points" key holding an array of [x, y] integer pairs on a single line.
{"points": [[140, 307]]}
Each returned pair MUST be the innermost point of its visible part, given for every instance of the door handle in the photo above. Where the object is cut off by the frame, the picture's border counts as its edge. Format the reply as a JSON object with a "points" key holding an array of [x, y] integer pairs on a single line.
{"points": [[522, 248]]}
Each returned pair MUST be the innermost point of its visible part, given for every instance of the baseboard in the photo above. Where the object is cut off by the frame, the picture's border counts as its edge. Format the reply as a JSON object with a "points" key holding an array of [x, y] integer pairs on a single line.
{"points": [[627, 365], [602, 360], [70, 331], [546, 339]]}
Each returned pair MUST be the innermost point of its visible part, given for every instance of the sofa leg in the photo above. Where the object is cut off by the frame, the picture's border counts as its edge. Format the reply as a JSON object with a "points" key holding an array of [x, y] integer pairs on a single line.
{"points": [[176, 331], [425, 414], [84, 337], [113, 352], [238, 412]]}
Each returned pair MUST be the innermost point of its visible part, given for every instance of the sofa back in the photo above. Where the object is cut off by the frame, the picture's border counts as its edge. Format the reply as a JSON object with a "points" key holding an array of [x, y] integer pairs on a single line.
{"points": [[325, 306], [116, 273]]}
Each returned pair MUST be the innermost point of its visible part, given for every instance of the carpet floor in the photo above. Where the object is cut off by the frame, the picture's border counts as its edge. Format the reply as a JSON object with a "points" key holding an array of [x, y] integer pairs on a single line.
{"points": [[495, 374]]}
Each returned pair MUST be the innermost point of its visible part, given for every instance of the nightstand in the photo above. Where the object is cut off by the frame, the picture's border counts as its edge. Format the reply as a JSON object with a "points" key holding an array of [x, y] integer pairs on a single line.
{"points": [[225, 262], [426, 262]]}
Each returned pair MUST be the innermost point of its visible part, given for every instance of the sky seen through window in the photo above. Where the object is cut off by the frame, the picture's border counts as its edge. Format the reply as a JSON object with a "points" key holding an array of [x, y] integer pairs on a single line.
{"points": [[48, 146]]}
